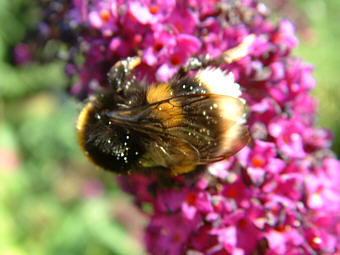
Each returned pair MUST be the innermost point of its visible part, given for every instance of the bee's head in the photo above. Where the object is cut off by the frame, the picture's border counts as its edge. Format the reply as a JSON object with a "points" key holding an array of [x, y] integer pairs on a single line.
{"points": [[107, 144]]}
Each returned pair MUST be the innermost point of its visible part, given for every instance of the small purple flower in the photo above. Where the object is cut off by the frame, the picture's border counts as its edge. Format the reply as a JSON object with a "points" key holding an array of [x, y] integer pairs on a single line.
{"points": [[323, 187], [288, 135], [184, 46], [219, 169], [285, 35], [141, 13], [286, 241], [22, 54]]}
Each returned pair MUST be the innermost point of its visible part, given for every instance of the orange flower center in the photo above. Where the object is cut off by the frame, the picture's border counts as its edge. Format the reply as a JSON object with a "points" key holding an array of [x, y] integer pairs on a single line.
{"points": [[153, 9], [105, 15], [257, 161], [191, 198], [175, 60]]}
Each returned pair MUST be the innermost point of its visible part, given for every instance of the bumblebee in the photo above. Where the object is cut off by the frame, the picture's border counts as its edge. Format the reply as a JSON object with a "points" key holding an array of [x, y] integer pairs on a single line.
{"points": [[174, 127]]}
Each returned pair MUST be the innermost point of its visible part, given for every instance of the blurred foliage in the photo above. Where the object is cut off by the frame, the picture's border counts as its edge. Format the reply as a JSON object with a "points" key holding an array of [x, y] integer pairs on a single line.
{"points": [[320, 46], [51, 200]]}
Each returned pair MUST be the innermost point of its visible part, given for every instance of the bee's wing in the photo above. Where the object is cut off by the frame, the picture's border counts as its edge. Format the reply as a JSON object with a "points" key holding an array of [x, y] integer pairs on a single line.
{"points": [[190, 129]]}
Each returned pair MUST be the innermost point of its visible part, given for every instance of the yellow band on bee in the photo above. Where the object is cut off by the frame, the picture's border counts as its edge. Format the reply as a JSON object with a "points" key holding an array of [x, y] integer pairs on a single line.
{"points": [[182, 169]]}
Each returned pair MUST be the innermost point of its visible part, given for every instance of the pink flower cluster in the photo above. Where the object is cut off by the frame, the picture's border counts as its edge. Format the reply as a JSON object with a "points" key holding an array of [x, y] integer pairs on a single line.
{"points": [[280, 194]]}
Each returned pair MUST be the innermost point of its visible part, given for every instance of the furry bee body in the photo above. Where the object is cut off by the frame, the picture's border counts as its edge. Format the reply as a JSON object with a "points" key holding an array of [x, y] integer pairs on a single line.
{"points": [[174, 127]]}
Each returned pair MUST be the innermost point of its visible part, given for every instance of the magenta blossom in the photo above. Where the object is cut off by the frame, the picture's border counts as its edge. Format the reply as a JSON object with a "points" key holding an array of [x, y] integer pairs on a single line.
{"points": [[280, 194]]}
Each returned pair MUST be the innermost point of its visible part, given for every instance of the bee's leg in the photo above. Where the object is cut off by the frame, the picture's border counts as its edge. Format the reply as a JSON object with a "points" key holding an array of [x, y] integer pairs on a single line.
{"points": [[120, 74], [227, 57]]}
